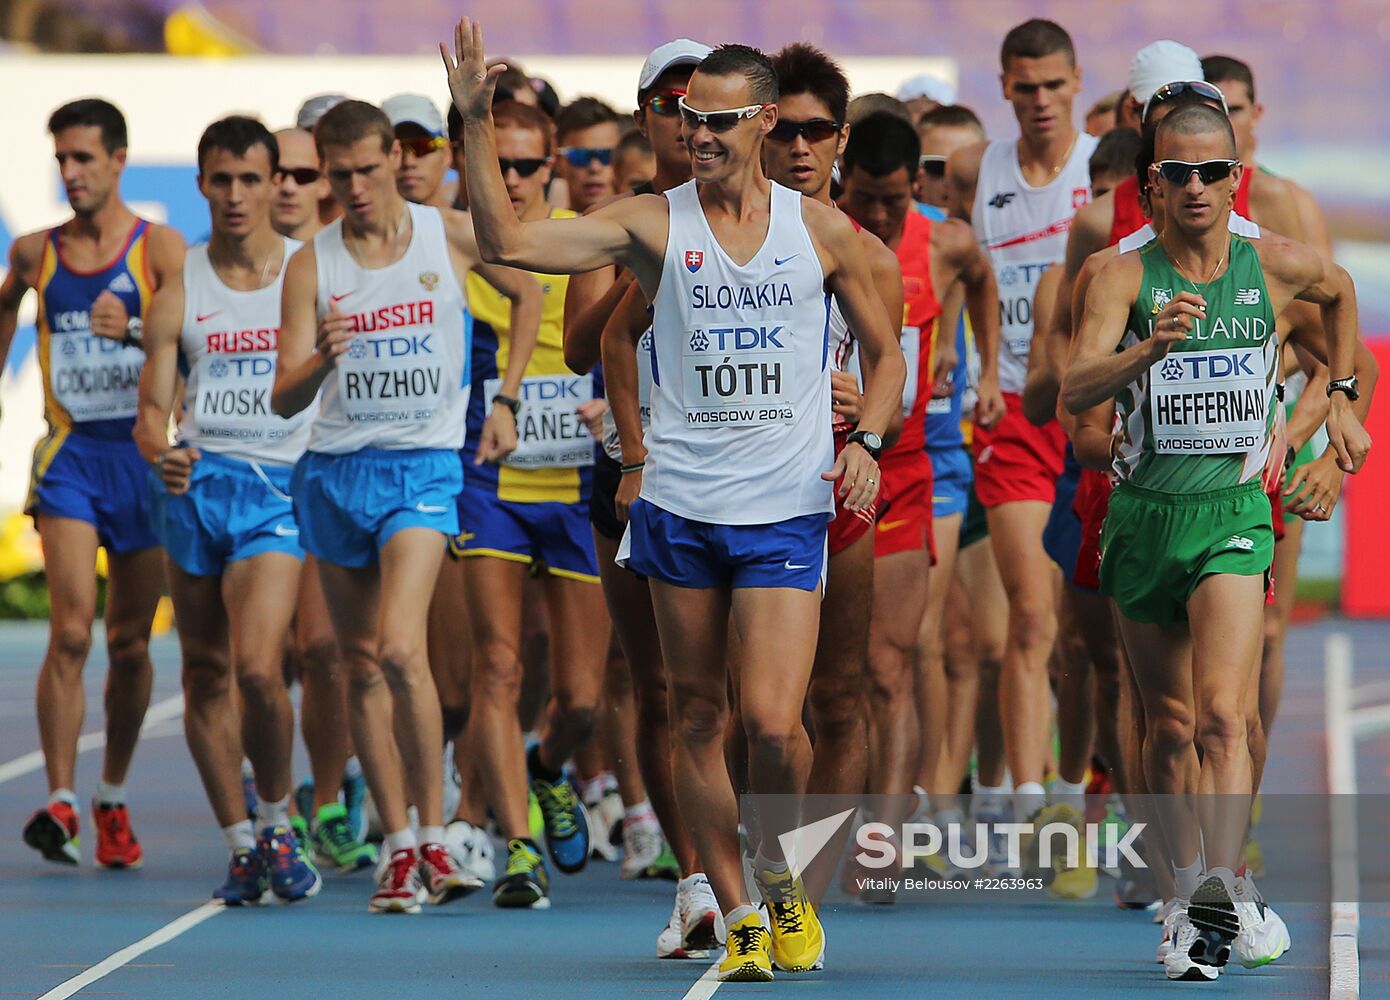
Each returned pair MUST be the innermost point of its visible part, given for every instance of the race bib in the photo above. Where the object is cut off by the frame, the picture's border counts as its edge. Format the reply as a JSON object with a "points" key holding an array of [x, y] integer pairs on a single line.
{"points": [[1018, 284], [234, 395], [1209, 402], [95, 378], [911, 340], [645, 359], [738, 376], [549, 431], [392, 378]]}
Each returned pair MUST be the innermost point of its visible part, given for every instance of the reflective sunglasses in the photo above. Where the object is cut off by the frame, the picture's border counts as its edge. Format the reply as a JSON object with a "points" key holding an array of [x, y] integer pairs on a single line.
{"points": [[814, 129], [1171, 90], [717, 121], [303, 176], [523, 167], [582, 156], [1210, 171], [665, 103], [422, 145], [933, 166]]}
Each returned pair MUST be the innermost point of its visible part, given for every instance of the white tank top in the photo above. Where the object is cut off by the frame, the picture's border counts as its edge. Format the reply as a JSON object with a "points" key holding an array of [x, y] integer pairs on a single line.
{"points": [[399, 385], [1024, 231], [611, 446], [740, 428], [227, 352], [1237, 224]]}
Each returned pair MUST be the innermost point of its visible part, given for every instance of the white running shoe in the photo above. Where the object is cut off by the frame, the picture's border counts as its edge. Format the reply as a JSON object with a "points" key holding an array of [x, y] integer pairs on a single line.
{"points": [[670, 943], [702, 925], [1263, 936], [1178, 964], [641, 847], [472, 849], [600, 847], [453, 784], [1169, 912]]}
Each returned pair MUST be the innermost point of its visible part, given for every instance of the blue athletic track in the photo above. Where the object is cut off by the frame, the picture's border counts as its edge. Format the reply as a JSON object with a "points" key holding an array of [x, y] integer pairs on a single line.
{"points": [[598, 939]]}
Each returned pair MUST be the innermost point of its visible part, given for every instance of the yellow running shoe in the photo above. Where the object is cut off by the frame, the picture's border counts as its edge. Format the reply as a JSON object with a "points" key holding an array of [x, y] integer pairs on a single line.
{"points": [[1031, 845], [747, 955], [798, 940], [1074, 883]]}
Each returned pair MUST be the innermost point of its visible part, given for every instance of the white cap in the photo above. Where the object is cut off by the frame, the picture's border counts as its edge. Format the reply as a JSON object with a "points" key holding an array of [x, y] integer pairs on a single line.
{"points": [[681, 52], [1161, 62], [315, 108], [933, 88], [416, 109]]}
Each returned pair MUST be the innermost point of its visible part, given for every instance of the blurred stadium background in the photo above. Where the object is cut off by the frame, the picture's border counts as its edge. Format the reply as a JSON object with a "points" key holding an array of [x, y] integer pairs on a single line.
{"points": [[1322, 70]]}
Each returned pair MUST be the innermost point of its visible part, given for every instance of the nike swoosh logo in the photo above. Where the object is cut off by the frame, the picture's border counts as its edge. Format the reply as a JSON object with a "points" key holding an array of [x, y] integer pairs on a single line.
{"points": [[208, 316], [426, 508], [285, 532], [890, 525], [779, 261], [790, 565], [339, 298]]}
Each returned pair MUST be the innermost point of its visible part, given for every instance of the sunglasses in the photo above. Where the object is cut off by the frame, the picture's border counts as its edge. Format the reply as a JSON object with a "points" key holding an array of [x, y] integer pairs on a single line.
{"points": [[665, 103], [814, 129], [933, 166], [422, 145], [1171, 90], [582, 156], [717, 121], [303, 176], [1210, 171], [523, 167]]}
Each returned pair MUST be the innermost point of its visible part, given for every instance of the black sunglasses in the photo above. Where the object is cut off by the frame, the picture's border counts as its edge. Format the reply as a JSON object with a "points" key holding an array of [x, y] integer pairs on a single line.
{"points": [[933, 166], [523, 167], [814, 129], [1171, 90], [583, 156], [303, 176], [1210, 171]]}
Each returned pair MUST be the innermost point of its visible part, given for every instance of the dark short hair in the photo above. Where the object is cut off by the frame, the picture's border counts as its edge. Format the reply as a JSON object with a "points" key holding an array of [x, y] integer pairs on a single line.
{"points": [[583, 113], [1035, 39], [632, 142], [882, 144], [745, 61], [1196, 119], [877, 102], [237, 134], [805, 69], [1148, 137], [1224, 69], [514, 114], [1115, 153], [92, 111], [950, 116], [351, 121]]}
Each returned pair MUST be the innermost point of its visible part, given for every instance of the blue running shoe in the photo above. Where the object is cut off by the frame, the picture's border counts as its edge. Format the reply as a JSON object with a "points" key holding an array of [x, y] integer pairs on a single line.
{"points": [[246, 883], [292, 875], [566, 822], [354, 795]]}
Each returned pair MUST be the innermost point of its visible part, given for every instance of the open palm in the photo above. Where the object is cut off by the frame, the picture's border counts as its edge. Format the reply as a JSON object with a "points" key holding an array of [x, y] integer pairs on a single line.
{"points": [[471, 82]]}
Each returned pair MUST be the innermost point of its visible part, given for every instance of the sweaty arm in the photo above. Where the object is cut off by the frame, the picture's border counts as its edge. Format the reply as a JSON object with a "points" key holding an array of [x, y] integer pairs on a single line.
{"points": [[1044, 378], [523, 293], [982, 304], [24, 258], [1096, 372], [888, 281], [309, 347], [159, 380], [590, 299]]}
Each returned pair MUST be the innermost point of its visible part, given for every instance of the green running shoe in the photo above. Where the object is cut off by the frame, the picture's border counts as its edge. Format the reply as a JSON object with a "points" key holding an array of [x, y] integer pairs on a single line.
{"points": [[525, 884], [334, 842]]}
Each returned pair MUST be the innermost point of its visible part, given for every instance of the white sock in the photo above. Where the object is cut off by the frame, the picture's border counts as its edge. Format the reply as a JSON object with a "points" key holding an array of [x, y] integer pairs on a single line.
{"points": [[64, 795], [946, 817], [737, 914], [990, 799], [1073, 794], [762, 864], [1029, 797], [641, 814], [591, 789], [110, 795], [923, 807], [270, 813], [431, 835], [239, 835], [353, 768], [1186, 877], [690, 880], [401, 840]]}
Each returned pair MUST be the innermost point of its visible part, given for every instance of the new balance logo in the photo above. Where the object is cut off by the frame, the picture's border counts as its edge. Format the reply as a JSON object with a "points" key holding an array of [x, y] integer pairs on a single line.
{"points": [[122, 283], [1247, 296], [1240, 542], [1002, 198]]}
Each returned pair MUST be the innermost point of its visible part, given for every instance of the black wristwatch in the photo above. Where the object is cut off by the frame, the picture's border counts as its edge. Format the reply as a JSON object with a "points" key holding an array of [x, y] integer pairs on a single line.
{"points": [[869, 441], [1348, 385], [510, 402]]}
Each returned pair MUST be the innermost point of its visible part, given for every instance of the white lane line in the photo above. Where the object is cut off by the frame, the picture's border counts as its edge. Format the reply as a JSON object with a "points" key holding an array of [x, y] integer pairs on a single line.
{"points": [[1344, 960], [128, 954], [706, 985], [160, 711]]}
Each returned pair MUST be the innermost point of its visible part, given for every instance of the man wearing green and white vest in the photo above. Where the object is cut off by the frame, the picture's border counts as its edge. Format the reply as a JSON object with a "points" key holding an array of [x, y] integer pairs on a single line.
{"points": [[1180, 334]]}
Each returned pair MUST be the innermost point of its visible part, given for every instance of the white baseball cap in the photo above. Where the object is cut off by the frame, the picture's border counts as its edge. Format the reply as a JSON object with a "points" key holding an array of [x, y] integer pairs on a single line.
{"points": [[681, 52], [315, 108], [417, 109], [933, 88], [1162, 62]]}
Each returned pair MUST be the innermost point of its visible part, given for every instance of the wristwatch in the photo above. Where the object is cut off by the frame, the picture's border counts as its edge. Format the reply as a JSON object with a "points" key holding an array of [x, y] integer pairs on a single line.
{"points": [[134, 331], [1348, 385], [510, 402], [869, 441]]}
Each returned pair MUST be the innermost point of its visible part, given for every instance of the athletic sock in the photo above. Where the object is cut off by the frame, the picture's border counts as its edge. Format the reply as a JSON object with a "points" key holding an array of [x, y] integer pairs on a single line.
{"points": [[923, 806], [591, 789], [352, 770], [762, 865], [640, 814], [431, 835], [737, 914], [239, 835], [990, 799], [110, 795], [64, 795], [1186, 878], [538, 769], [270, 814], [401, 840], [1029, 797], [1073, 795]]}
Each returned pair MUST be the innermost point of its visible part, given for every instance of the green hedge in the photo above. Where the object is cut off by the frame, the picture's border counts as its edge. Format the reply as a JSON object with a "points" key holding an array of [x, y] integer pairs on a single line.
{"points": [[27, 597]]}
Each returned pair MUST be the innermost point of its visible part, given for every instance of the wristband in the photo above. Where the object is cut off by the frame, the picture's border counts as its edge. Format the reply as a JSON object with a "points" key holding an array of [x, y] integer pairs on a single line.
{"points": [[510, 402], [635, 467]]}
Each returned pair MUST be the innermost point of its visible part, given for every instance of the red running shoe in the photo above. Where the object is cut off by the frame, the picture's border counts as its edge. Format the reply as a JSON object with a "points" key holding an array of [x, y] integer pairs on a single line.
{"points": [[398, 888], [52, 831], [443, 878], [116, 843]]}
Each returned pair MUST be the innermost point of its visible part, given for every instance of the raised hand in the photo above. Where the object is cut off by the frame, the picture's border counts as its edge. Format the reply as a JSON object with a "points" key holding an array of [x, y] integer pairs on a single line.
{"points": [[471, 82]]}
